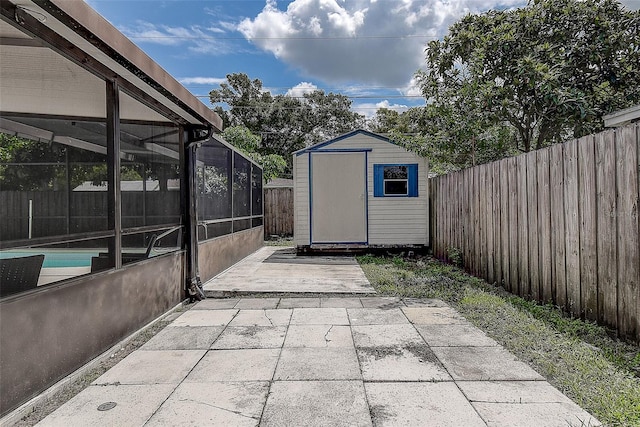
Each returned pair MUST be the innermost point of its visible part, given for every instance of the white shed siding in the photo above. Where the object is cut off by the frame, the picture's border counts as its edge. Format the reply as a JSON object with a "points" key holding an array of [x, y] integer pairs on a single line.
{"points": [[301, 199], [391, 220], [398, 220]]}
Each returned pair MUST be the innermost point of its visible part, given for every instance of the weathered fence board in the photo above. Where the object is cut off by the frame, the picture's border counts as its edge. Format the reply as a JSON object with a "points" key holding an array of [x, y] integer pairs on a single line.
{"points": [[512, 176], [278, 211], [556, 187], [534, 232], [488, 221], [497, 214], [557, 225], [572, 227], [627, 213], [544, 226], [588, 231], [504, 224], [606, 226], [523, 227]]}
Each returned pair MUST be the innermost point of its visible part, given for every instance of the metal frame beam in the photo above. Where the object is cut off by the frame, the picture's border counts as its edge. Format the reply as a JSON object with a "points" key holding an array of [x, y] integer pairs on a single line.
{"points": [[34, 28]]}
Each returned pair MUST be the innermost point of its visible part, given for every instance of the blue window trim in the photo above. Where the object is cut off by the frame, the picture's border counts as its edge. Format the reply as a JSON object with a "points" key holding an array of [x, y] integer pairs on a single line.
{"points": [[412, 180]]}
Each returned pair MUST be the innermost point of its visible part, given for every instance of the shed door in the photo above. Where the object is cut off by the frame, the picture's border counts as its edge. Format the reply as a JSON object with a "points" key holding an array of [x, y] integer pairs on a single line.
{"points": [[338, 198]]}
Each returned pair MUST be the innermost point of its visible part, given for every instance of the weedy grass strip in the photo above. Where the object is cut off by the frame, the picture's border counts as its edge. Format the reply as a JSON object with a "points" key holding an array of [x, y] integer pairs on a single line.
{"points": [[599, 372]]}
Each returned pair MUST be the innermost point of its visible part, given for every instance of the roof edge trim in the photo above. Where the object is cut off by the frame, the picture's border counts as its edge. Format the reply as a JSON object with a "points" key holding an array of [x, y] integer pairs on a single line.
{"points": [[80, 18]]}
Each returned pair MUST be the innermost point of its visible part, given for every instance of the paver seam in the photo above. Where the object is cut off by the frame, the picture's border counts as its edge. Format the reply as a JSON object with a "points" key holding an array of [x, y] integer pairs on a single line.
{"points": [[366, 398], [191, 370], [466, 397], [445, 367], [275, 369]]}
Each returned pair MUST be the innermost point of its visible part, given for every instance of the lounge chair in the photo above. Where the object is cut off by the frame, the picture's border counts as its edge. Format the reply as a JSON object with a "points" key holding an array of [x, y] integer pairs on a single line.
{"points": [[19, 274]]}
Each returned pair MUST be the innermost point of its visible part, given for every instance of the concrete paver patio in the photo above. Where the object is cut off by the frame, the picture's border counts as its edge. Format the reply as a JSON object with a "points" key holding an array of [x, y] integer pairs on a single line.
{"points": [[278, 269], [321, 362]]}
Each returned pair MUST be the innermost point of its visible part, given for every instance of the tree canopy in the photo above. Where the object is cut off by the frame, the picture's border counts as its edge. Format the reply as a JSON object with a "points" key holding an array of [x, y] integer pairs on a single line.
{"points": [[529, 77], [284, 123], [273, 165]]}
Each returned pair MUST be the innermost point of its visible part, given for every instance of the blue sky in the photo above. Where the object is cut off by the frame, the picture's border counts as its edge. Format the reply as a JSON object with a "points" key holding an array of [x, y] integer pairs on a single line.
{"points": [[365, 49]]}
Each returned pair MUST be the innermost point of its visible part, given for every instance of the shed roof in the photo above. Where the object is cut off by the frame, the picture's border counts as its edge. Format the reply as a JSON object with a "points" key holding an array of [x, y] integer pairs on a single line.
{"points": [[340, 138]]}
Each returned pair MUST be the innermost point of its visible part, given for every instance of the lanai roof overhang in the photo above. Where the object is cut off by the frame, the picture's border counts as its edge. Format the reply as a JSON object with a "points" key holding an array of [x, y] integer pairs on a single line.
{"points": [[45, 42]]}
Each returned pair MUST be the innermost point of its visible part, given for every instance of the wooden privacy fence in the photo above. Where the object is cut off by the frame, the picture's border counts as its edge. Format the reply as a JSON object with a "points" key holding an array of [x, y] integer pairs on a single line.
{"points": [[557, 225], [278, 211]]}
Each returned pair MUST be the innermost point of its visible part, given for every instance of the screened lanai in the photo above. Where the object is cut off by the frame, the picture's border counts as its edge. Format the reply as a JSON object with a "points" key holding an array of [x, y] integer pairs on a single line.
{"points": [[117, 196]]}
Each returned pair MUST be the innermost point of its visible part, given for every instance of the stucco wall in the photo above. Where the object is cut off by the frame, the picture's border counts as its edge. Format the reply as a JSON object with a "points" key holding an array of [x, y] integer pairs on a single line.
{"points": [[216, 255], [47, 333]]}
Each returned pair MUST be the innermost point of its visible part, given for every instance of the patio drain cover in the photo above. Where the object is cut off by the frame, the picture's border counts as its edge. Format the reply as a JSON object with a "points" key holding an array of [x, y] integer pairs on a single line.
{"points": [[107, 406]]}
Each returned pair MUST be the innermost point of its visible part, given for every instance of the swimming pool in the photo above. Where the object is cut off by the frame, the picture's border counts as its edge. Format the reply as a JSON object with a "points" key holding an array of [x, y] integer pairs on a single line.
{"points": [[56, 258]]}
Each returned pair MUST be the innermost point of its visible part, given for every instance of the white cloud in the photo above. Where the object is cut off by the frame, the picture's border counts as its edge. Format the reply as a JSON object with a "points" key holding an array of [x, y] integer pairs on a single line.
{"points": [[412, 88], [301, 88], [197, 39], [202, 80], [368, 109], [364, 41]]}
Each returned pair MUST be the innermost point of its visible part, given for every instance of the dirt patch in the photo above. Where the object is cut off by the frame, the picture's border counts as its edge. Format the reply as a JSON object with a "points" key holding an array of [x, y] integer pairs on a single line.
{"points": [[379, 414], [248, 331], [380, 352], [423, 353]]}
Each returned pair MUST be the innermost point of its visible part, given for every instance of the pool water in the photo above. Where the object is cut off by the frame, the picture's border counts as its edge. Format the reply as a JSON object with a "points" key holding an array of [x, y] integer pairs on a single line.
{"points": [[55, 258]]}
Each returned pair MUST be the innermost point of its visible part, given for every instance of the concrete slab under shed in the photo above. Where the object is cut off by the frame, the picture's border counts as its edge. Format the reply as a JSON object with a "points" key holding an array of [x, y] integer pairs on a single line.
{"points": [[275, 269]]}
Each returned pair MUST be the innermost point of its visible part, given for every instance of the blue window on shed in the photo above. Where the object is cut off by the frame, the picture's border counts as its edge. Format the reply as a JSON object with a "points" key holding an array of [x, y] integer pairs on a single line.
{"points": [[399, 180]]}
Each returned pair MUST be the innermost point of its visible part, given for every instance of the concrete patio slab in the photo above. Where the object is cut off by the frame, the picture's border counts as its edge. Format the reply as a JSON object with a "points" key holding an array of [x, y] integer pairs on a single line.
{"points": [[346, 302], [269, 317], [319, 316], [152, 367], [238, 337], [257, 303], [376, 316], [414, 404], [319, 336], [315, 363], [184, 338], [535, 415], [382, 302], [340, 365], [218, 403], [135, 404], [412, 363], [484, 363], [204, 318], [386, 336], [278, 269], [454, 335], [316, 403], [512, 392], [299, 303], [216, 304], [235, 365], [433, 316]]}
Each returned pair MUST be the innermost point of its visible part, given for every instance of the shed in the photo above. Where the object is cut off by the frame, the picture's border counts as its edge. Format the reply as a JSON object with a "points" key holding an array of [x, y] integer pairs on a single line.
{"points": [[360, 190]]}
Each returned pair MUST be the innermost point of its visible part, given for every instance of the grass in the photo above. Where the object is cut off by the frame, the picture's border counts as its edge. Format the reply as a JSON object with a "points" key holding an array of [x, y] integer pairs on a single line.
{"points": [[600, 373], [279, 241]]}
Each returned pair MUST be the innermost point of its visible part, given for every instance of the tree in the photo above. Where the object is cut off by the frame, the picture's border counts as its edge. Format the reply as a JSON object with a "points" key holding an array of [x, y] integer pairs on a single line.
{"points": [[273, 165], [548, 71], [284, 123], [248, 102]]}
